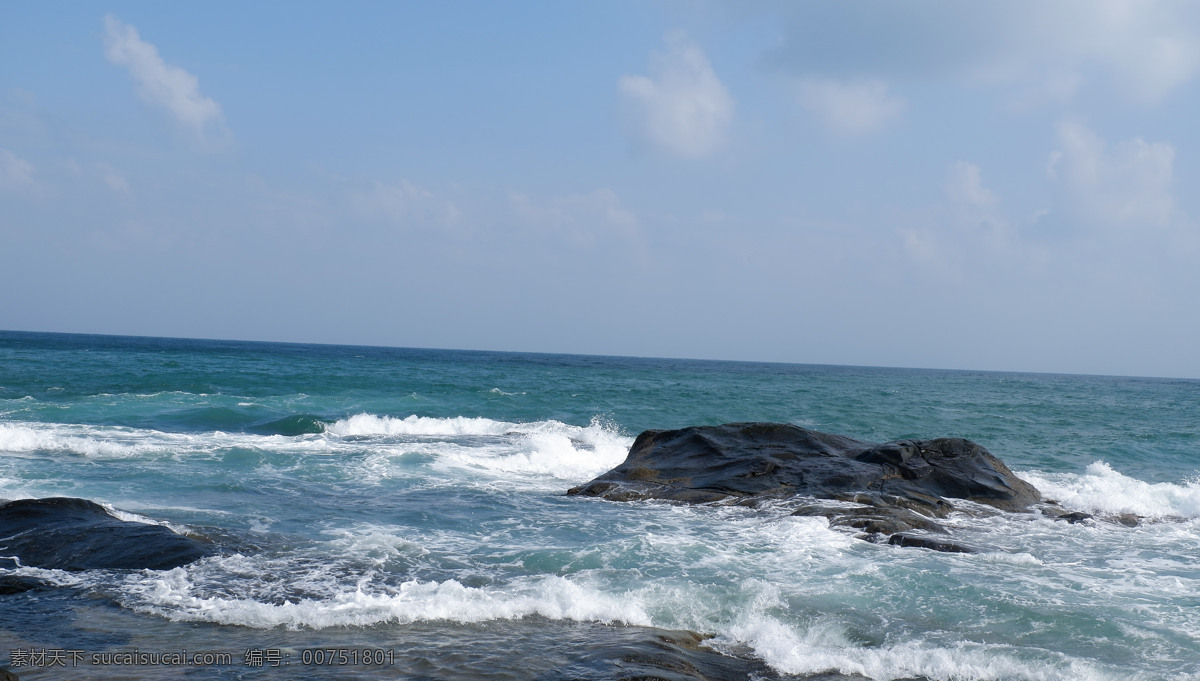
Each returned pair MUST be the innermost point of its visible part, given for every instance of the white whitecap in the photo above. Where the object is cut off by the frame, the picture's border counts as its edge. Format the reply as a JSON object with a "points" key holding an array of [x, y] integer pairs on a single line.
{"points": [[370, 424], [1100, 489], [548, 449], [823, 646], [93, 441], [172, 595], [119, 442]]}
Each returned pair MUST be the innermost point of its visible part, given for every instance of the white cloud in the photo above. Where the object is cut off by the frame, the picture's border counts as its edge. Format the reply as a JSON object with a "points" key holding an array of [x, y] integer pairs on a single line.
{"points": [[16, 174], [681, 107], [852, 108], [1149, 46], [965, 189], [162, 84], [968, 231], [404, 204], [1115, 206], [1130, 184]]}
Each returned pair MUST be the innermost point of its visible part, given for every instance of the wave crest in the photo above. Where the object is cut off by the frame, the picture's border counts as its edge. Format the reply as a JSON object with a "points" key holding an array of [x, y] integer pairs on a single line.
{"points": [[370, 424], [824, 646], [171, 595], [1102, 490]]}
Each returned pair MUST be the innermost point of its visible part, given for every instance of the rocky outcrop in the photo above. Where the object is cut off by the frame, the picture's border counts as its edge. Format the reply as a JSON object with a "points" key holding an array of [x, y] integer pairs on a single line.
{"points": [[76, 534], [890, 492]]}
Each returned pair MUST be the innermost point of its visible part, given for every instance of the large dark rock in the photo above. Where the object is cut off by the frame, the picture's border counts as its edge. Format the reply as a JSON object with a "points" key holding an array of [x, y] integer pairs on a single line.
{"points": [[76, 534], [893, 487]]}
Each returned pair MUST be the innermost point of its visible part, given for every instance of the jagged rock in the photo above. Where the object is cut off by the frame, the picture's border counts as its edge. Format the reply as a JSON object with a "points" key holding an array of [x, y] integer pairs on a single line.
{"points": [[898, 486], [66, 533]]}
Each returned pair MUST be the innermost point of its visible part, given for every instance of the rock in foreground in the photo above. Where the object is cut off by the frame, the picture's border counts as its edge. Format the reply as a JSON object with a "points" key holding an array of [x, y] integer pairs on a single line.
{"points": [[894, 488], [65, 533]]}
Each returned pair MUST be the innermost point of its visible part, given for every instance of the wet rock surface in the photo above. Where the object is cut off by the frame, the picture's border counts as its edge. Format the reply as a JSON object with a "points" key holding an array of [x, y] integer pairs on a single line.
{"points": [[19, 584], [1052, 509], [891, 492], [67, 533], [644, 654]]}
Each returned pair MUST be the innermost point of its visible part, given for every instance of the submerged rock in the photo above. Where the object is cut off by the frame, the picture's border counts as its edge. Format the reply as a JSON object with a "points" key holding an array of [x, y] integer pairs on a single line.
{"points": [[894, 487], [1052, 509], [927, 541], [18, 584], [644, 654], [66, 533], [1075, 517]]}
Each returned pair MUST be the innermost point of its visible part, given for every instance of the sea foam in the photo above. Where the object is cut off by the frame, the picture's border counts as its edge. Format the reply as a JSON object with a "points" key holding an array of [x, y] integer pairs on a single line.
{"points": [[823, 646], [172, 595], [75, 439], [552, 449], [541, 449], [1100, 489], [370, 424]]}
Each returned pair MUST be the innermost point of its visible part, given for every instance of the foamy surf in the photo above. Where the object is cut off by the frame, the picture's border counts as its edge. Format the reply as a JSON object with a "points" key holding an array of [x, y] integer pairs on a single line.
{"points": [[550, 451], [118, 442], [370, 424], [95, 441], [1103, 490], [172, 595], [541, 454], [823, 646]]}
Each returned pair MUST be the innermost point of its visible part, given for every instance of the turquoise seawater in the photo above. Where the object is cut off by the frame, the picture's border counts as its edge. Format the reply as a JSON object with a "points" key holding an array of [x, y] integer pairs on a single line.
{"points": [[413, 500]]}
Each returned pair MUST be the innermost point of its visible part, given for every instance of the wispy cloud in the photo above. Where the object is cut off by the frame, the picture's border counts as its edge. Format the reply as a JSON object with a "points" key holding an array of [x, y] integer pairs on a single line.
{"points": [[403, 204], [964, 187], [682, 107], [162, 84], [969, 227], [16, 174], [1130, 184], [582, 218], [852, 108], [113, 178]]}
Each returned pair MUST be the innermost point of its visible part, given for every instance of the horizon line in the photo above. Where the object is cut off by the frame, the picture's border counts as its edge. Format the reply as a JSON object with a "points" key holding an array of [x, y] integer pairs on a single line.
{"points": [[606, 356]]}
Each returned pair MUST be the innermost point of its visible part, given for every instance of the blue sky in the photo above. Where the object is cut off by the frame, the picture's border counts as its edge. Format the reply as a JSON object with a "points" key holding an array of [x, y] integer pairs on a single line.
{"points": [[986, 185]]}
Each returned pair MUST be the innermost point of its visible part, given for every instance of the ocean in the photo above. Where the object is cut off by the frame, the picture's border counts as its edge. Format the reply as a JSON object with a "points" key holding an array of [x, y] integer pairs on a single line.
{"points": [[389, 513]]}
